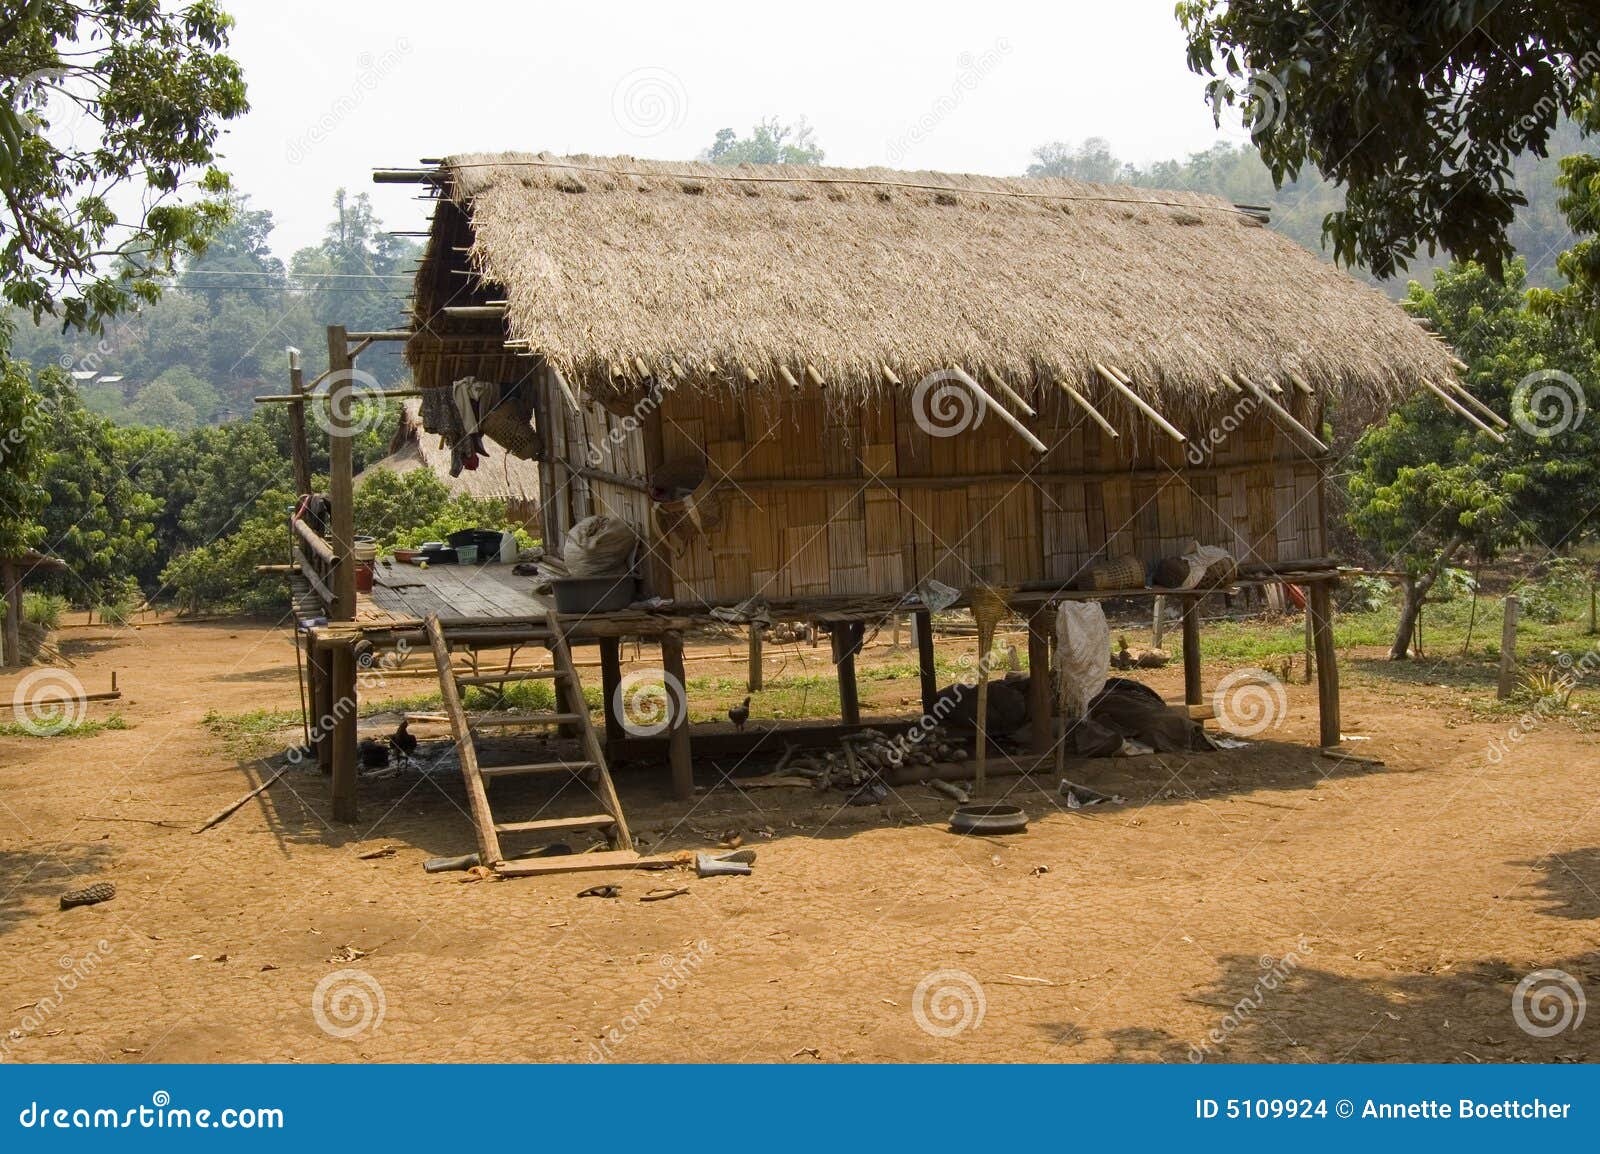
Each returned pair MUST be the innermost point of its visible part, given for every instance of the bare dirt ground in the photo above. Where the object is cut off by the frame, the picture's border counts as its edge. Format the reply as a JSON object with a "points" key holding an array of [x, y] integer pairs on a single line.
{"points": [[1260, 904]]}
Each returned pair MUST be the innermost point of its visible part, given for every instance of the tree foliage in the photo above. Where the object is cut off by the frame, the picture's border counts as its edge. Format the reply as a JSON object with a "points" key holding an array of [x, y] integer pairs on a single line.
{"points": [[1417, 109], [769, 142], [1426, 486], [107, 105]]}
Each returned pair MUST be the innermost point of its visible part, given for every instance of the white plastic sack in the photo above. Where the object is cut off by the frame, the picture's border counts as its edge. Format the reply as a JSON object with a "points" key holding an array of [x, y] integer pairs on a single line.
{"points": [[1200, 559], [1083, 656], [599, 546]]}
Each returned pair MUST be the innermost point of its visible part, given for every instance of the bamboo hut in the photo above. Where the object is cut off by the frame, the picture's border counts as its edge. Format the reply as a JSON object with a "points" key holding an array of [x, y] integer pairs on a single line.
{"points": [[828, 388]]}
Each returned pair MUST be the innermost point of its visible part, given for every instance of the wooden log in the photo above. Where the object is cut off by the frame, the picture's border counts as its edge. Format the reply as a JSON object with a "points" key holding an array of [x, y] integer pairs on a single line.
{"points": [[466, 752], [846, 643], [309, 539], [1193, 691], [345, 754], [610, 683], [1040, 627], [1158, 621], [753, 679], [1319, 605], [1121, 385], [999, 410], [922, 626], [679, 755], [341, 478], [11, 581], [1508, 649], [1094, 413]]}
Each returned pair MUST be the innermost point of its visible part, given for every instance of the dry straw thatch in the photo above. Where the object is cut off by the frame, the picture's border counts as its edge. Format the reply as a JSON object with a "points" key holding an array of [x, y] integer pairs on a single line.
{"points": [[498, 477], [717, 269]]}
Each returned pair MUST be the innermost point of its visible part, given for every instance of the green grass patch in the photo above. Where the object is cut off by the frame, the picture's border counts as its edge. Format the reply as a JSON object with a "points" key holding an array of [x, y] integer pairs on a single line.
{"points": [[84, 727]]}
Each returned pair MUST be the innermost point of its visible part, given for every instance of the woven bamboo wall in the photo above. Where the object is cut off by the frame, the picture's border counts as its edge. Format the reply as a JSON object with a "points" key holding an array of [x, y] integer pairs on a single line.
{"points": [[803, 514]]}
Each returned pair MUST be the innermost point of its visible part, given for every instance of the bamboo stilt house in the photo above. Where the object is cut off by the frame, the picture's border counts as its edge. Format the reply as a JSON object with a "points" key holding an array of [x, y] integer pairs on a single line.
{"points": [[800, 381]]}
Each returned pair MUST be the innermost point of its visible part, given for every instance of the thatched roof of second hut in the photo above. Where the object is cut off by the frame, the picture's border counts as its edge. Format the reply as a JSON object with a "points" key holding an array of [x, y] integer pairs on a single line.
{"points": [[850, 270], [498, 477]]}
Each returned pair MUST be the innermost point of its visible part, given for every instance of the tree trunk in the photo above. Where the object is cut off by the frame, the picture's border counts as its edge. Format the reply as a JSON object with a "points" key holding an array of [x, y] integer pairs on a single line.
{"points": [[1412, 606]]}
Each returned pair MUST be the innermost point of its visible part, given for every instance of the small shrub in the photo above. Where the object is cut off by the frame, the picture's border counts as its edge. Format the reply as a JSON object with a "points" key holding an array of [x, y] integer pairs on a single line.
{"points": [[1367, 595], [43, 609]]}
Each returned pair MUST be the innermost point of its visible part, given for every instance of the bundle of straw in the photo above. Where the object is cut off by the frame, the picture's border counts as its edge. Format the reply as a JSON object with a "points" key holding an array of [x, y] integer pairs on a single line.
{"points": [[989, 607]]}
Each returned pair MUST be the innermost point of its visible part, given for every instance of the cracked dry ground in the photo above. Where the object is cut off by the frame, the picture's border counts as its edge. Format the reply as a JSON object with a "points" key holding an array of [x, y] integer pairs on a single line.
{"points": [[1299, 909]]}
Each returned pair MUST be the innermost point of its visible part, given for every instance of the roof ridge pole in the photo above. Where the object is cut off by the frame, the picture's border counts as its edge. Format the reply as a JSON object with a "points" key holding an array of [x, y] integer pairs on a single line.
{"points": [[1144, 406], [995, 407]]}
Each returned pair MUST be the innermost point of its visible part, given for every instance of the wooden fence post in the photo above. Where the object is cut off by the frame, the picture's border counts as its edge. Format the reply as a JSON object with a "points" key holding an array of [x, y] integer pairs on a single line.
{"points": [[1508, 649], [753, 680]]}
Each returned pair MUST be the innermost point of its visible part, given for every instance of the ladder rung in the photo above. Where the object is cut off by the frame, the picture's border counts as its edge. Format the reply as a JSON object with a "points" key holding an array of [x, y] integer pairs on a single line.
{"points": [[511, 675], [553, 824], [492, 719], [535, 767]]}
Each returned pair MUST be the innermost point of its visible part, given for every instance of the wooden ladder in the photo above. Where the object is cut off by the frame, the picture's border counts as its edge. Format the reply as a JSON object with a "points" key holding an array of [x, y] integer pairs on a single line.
{"points": [[570, 710]]}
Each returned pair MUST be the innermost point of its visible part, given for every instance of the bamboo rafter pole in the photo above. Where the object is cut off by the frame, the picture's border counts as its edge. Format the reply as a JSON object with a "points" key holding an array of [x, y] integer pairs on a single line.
{"points": [[788, 378], [1083, 403], [814, 378], [1302, 384], [1460, 391], [1015, 397], [566, 389], [1462, 411], [998, 410], [1283, 414], [1118, 382]]}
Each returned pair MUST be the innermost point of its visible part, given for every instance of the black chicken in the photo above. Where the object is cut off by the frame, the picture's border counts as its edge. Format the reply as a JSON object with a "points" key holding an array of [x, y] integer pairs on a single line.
{"points": [[402, 741], [740, 714], [372, 754]]}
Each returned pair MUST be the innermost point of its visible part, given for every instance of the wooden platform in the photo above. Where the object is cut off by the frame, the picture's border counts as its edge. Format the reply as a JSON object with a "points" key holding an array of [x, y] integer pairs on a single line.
{"points": [[455, 593]]}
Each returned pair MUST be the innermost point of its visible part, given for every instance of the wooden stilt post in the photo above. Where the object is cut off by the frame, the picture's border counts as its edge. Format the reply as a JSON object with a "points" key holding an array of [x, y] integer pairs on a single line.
{"points": [[679, 756], [341, 476], [846, 642], [319, 672], [922, 625], [11, 580], [1039, 682], [1158, 622], [298, 447], [1193, 691], [1320, 608], [610, 682], [344, 734], [1508, 649], [1311, 649], [753, 681]]}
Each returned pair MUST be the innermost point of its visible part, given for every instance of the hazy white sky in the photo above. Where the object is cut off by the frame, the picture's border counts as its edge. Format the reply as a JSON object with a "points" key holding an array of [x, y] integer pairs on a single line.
{"points": [[339, 88]]}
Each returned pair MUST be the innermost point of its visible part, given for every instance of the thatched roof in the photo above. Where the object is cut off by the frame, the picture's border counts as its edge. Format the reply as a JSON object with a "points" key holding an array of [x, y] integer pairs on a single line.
{"points": [[603, 260], [498, 477]]}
